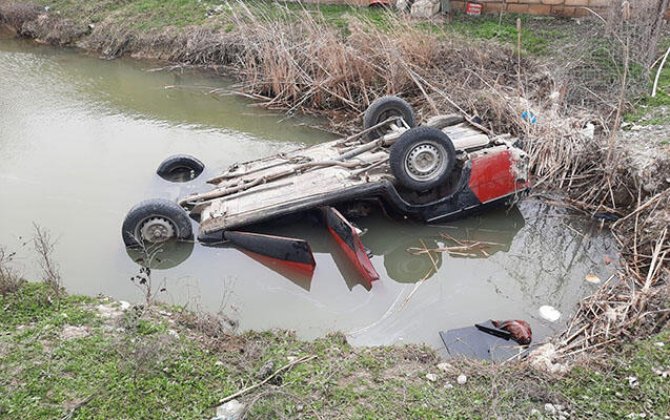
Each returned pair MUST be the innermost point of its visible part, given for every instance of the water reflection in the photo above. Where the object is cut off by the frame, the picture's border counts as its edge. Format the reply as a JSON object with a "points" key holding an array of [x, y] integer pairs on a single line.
{"points": [[161, 256], [481, 236]]}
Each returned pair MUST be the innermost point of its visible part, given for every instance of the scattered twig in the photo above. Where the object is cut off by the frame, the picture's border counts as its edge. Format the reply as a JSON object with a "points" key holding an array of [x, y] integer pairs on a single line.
{"points": [[269, 378]]}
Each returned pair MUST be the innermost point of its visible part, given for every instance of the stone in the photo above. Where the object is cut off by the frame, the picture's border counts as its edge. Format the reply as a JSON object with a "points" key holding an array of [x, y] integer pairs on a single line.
{"points": [[552, 2], [402, 5], [542, 359], [576, 2], [431, 377], [72, 332], [266, 370], [535, 413], [448, 385], [232, 410], [445, 367], [425, 9], [550, 409], [462, 379]]}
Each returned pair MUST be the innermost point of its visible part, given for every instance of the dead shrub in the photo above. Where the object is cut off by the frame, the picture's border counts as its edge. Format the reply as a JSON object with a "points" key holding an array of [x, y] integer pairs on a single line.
{"points": [[44, 247], [146, 354], [10, 281]]}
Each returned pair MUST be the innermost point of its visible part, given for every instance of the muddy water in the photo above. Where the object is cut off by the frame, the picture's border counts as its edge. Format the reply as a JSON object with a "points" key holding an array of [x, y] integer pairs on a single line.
{"points": [[80, 139]]}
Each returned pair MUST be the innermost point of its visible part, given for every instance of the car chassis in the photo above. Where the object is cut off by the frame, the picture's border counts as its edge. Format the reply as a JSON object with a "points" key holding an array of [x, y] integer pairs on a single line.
{"points": [[444, 169]]}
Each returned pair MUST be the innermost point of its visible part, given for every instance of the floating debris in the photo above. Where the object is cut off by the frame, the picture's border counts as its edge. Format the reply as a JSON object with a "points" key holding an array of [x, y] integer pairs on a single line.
{"points": [[592, 278], [549, 313]]}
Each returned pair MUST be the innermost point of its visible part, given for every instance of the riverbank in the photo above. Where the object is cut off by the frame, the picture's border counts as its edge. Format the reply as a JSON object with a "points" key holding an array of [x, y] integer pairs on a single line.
{"points": [[83, 357]]}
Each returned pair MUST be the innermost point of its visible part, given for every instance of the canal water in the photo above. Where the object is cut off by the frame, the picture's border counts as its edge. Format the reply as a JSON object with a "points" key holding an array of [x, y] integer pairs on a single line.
{"points": [[81, 137]]}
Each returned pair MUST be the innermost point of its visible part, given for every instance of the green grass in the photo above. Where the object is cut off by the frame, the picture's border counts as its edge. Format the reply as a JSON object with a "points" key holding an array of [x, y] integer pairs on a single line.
{"points": [[534, 38], [144, 15], [654, 110], [145, 370]]}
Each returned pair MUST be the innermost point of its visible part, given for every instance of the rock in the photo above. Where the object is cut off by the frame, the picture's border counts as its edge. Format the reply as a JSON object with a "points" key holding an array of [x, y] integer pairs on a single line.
{"points": [[448, 385], [588, 131], [71, 332], [431, 377], [425, 9], [107, 311], [550, 409], [445, 367], [266, 370], [232, 410], [549, 313], [542, 359], [535, 413], [632, 381], [173, 333], [124, 305], [659, 344], [462, 379], [402, 5]]}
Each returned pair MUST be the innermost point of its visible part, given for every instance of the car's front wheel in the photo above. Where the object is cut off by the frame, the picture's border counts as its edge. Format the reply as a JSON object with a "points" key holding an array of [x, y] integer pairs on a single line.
{"points": [[422, 158], [155, 221]]}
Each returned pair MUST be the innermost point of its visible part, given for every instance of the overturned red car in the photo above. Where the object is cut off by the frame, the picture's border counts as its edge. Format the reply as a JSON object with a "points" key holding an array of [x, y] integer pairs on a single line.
{"points": [[443, 169]]}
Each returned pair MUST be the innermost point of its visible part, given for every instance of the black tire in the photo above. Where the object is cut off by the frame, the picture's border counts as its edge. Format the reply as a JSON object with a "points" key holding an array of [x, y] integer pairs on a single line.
{"points": [[422, 145], [155, 211], [382, 109], [180, 168]]}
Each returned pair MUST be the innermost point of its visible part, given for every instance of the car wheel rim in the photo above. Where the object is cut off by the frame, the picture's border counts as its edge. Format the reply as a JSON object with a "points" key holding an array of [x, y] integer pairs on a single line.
{"points": [[425, 162], [157, 230]]}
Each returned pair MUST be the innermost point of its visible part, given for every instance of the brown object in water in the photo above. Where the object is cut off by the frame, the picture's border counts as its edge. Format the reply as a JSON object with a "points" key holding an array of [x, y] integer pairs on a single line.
{"points": [[519, 329]]}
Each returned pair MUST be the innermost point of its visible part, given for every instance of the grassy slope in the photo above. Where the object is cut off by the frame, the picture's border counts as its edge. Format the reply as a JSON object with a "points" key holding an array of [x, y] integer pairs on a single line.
{"points": [[134, 367]]}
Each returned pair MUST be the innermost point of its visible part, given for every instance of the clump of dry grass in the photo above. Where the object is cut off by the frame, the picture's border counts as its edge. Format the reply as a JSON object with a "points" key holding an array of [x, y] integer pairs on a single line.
{"points": [[306, 64], [10, 281], [44, 247]]}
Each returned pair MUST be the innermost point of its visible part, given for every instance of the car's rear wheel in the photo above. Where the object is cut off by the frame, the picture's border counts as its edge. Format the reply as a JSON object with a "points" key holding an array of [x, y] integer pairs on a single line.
{"points": [[422, 158], [180, 168], [155, 221], [384, 108]]}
